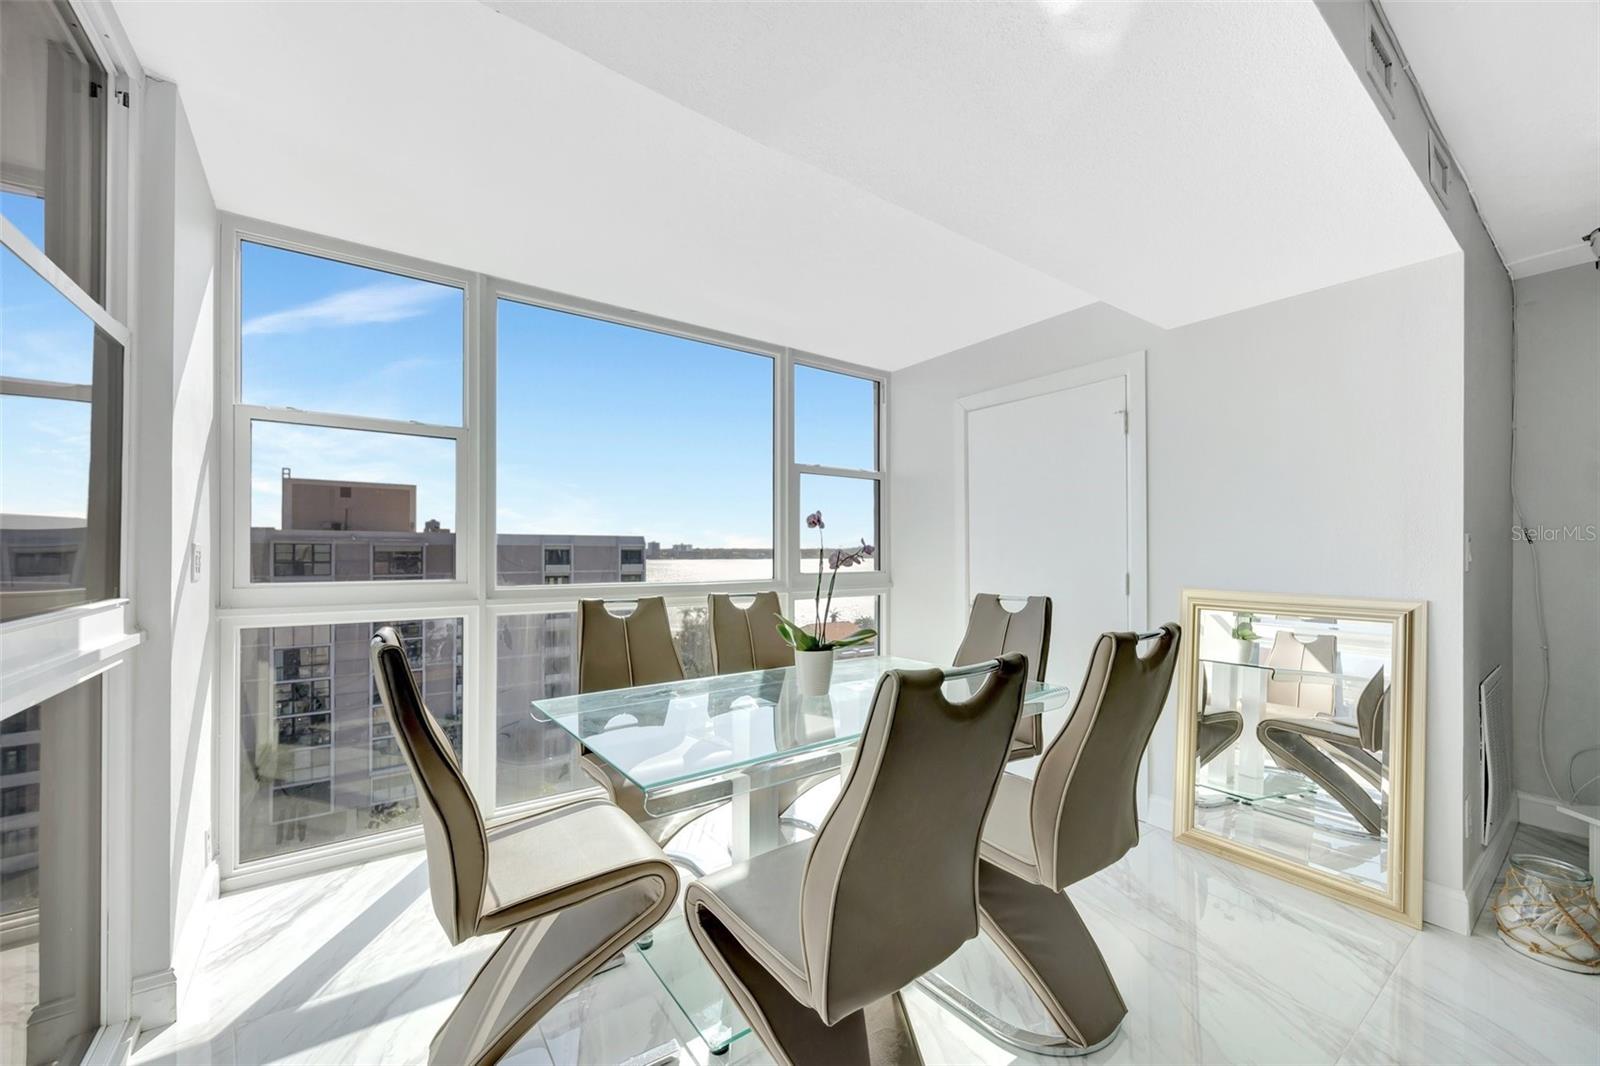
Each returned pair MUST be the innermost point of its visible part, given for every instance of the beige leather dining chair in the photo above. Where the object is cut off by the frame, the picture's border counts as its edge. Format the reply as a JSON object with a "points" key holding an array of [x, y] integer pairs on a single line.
{"points": [[570, 887], [1217, 729], [992, 630], [746, 638], [1338, 754], [1078, 815], [815, 939], [620, 652], [1290, 692]]}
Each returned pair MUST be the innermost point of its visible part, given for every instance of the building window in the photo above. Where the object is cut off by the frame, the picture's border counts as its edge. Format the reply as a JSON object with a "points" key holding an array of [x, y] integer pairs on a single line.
{"points": [[557, 381], [557, 579], [291, 559], [19, 799], [397, 562], [632, 577], [558, 557], [632, 556]]}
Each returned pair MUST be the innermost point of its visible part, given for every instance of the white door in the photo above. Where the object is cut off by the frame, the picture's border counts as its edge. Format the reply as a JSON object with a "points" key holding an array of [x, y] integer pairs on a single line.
{"points": [[1047, 509]]}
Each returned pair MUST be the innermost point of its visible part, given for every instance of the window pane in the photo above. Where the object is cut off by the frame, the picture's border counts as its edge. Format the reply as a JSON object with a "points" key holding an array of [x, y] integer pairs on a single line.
{"points": [[849, 509], [535, 658], [691, 632], [350, 505], [52, 138], [846, 615], [649, 455], [321, 335], [320, 763], [50, 878], [60, 449], [835, 419]]}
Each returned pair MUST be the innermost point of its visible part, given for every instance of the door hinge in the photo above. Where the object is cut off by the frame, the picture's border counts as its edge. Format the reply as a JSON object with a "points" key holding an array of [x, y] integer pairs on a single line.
{"points": [[1124, 413]]}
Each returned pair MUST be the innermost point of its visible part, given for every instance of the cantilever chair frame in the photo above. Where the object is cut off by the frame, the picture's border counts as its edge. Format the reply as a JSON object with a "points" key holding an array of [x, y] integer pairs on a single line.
{"points": [[1401, 899]]}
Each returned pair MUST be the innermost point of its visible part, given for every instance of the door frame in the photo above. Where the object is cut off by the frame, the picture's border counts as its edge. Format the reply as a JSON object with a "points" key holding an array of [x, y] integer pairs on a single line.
{"points": [[1130, 368]]}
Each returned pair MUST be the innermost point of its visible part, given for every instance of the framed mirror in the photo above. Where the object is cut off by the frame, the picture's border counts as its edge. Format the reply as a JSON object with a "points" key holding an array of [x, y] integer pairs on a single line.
{"points": [[1300, 741]]}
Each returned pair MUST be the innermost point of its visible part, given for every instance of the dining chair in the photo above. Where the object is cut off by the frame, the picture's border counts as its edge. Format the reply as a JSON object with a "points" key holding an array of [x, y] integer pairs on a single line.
{"points": [[814, 940], [746, 638], [1217, 729], [1290, 692], [620, 652], [1078, 815], [1338, 753], [569, 886], [993, 630]]}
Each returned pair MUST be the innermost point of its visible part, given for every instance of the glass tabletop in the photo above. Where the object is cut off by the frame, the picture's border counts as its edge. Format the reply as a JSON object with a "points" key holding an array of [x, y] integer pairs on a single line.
{"points": [[674, 737]]}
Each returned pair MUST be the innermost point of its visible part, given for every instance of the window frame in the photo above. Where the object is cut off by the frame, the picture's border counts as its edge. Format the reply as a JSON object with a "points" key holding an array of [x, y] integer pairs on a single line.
{"points": [[474, 595]]}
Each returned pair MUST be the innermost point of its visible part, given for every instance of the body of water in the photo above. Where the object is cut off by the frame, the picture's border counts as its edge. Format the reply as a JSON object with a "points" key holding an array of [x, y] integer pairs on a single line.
{"points": [[707, 570]]}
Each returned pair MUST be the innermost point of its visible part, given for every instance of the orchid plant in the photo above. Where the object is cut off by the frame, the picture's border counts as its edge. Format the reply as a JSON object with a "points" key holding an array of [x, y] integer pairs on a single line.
{"points": [[798, 636]]}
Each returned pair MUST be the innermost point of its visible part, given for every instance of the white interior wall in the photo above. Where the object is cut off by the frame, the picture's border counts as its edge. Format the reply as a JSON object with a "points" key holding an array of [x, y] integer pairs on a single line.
{"points": [[1486, 429], [173, 505], [1310, 445], [1558, 485]]}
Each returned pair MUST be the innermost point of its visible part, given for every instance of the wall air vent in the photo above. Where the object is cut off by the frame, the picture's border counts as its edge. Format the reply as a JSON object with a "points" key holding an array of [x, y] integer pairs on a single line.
{"points": [[1441, 171], [1383, 59]]}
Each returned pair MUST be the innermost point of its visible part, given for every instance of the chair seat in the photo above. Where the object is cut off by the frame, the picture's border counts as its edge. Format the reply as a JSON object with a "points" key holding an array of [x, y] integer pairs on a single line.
{"points": [[759, 903], [551, 860], [1318, 726], [1008, 834]]}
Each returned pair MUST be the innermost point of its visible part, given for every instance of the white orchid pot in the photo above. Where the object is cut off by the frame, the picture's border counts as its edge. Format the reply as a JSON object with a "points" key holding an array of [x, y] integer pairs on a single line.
{"points": [[814, 671]]}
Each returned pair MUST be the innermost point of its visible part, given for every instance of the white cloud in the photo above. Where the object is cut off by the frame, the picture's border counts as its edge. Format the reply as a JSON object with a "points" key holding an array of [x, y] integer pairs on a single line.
{"points": [[383, 301]]}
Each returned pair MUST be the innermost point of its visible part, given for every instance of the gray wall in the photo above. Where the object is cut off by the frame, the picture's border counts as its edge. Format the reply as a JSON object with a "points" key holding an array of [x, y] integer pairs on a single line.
{"points": [[174, 504], [1311, 445], [1558, 485], [1486, 425]]}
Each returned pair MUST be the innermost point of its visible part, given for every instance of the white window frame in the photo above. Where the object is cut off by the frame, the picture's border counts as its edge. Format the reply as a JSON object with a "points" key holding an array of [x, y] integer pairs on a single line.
{"points": [[474, 595]]}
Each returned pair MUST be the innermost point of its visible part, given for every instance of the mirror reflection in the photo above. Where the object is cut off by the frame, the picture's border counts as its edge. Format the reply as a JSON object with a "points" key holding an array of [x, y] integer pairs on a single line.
{"points": [[1292, 751]]}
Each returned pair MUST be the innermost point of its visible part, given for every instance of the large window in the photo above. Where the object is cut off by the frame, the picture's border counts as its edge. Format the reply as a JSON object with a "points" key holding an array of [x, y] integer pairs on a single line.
{"points": [[628, 455], [364, 489], [649, 454], [836, 456], [320, 762]]}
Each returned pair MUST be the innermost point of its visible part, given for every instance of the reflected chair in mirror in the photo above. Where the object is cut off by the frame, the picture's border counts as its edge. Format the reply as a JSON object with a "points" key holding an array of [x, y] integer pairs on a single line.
{"points": [[993, 630], [620, 651], [565, 910], [1343, 756], [1217, 729], [815, 940], [1077, 816], [1291, 690]]}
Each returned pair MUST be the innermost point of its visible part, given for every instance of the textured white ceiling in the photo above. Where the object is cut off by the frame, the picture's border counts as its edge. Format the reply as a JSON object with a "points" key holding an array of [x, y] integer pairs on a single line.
{"points": [[1178, 160], [1516, 89], [877, 182], [446, 132]]}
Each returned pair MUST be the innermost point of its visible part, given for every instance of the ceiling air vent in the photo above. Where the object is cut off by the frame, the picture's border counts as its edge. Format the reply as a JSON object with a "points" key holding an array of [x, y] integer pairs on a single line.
{"points": [[1383, 59]]}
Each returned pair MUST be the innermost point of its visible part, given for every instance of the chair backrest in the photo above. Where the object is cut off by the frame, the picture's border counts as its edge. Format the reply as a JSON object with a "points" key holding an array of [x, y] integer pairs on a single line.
{"points": [[747, 638], [618, 652], [1289, 652], [1372, 713], [1084, 808], [993, 631], [890, 887], [452, 829]]}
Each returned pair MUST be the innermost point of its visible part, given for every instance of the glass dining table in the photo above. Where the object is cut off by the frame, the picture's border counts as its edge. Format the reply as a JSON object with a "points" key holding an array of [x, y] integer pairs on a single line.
{"points": [[734, 739]]}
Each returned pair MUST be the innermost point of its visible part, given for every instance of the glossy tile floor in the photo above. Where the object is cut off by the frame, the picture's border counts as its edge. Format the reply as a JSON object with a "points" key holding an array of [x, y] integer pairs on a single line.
{"points": [[1216, 963]]}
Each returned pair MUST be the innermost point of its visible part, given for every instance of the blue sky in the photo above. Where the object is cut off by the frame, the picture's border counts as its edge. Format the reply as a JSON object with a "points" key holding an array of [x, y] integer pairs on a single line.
{"points": [[44, 444], [601, 428]]}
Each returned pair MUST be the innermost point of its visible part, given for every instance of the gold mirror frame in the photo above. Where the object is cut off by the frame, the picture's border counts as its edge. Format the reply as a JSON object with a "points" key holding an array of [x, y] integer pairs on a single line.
{"points": [[1408, 706]]}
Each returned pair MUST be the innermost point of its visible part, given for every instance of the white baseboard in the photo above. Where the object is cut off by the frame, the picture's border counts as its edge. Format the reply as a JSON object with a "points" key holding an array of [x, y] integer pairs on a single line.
{"points": [[1541, 811], [153, 998], [1447, 907], [1158, 812], [1481, 881]]}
